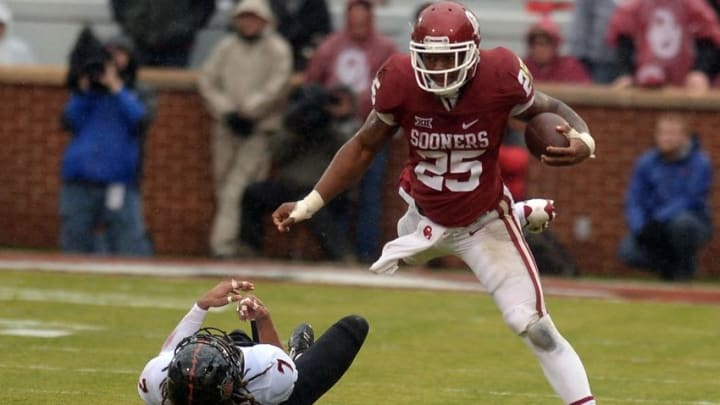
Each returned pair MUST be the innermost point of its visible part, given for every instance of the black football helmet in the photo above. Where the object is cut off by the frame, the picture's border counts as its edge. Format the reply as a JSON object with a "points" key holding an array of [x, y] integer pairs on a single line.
{"points": [[207, 369]]}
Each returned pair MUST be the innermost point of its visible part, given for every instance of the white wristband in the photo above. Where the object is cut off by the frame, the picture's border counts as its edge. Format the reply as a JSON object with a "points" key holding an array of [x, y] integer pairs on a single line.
{"points": [[586, 138], [308, 206]]}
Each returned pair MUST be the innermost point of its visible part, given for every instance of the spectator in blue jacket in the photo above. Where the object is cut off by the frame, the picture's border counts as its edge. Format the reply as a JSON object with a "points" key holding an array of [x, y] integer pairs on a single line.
{"points": [[99, 172], [667, 204]]}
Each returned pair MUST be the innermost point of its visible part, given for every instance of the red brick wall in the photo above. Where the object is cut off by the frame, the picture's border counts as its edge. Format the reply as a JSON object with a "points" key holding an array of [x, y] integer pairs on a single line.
{"points": [[30, 145], [177, 187], [178, 193]]}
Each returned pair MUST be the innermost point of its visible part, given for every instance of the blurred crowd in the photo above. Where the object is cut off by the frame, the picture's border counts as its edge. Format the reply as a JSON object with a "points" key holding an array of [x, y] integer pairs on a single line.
{"points": [[286, 89]]}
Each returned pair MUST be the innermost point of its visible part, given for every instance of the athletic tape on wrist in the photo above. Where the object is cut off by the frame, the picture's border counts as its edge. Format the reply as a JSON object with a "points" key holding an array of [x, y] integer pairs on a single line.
{"points": [[308, 206], [586, 138]]}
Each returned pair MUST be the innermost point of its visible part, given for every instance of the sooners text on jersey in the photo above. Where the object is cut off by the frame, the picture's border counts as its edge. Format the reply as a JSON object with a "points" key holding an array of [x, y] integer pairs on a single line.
{"points": [[453, 154]]}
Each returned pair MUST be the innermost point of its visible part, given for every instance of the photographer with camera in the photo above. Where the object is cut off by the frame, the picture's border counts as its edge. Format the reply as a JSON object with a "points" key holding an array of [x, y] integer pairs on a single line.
{"points": [[317, 123], [100, 164]]}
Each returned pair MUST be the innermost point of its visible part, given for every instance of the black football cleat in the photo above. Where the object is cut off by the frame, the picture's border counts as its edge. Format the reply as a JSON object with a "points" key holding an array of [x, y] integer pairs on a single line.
{"points": [[300, 340]]}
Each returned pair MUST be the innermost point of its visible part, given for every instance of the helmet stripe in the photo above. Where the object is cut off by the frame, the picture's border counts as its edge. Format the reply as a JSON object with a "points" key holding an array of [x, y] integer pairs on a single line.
{"points": [[191, 377]]}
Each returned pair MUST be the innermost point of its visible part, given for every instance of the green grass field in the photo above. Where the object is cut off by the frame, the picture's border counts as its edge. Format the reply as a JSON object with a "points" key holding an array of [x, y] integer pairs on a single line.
{"points": [[423, 348]]}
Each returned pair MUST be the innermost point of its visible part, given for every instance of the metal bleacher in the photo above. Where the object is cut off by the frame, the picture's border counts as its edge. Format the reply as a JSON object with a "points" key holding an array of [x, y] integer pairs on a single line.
{"points": [[51, 26]]}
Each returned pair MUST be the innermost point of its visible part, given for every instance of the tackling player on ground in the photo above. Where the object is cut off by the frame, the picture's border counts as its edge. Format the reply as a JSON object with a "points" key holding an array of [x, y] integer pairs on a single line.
{"points": [[209, 367], [452, 101]]}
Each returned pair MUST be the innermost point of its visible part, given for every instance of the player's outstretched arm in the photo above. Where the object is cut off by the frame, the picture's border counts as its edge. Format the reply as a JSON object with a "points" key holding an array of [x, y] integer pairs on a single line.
{"points": [[251, 308], [582, 144], [347, 167], [225, 292], [222, 294]]}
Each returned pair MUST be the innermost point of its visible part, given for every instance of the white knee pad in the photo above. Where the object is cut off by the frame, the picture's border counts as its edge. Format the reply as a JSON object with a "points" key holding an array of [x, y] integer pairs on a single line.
{"points": [[543, 335], [525, 321]]}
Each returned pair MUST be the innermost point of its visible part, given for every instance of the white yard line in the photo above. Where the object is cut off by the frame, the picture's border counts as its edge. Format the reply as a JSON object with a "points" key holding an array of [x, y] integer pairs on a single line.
{"points": [[84, 370], [89, 298]]}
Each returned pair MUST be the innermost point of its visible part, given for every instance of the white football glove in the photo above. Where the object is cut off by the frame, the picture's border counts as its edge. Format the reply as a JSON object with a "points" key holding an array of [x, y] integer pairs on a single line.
{"points": [[538, 213]]}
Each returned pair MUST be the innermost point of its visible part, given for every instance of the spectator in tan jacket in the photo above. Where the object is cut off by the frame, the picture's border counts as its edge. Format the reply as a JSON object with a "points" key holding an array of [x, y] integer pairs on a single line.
{"points": [[244, 84]]}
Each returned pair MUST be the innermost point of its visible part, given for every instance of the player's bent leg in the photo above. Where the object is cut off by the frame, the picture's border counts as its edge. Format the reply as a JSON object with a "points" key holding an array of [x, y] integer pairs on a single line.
{"points": [[325, 362], [515, 286], [559, 361], [513, 281]]}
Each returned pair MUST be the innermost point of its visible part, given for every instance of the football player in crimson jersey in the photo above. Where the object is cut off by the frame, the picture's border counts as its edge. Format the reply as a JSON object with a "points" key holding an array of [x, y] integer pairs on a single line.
{"points": [[209, 367], [452, 101]]}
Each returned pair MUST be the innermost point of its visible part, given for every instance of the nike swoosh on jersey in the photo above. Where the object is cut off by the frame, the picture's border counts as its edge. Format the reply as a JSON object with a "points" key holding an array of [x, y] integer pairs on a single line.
{"points": [[469, 124]]}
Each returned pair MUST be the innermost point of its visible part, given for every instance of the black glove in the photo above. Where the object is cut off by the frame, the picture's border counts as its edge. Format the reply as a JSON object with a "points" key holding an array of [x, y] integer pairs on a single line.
{"points": [[238, 125], [652, 235]]}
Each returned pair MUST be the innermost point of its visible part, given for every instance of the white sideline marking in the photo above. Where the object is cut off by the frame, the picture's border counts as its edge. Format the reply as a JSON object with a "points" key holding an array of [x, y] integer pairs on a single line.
{"points": [[578, 292], [282, 271]]}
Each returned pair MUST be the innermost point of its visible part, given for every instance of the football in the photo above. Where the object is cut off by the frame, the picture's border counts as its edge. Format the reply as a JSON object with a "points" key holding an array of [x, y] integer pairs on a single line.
{"points": [[540, 133]]}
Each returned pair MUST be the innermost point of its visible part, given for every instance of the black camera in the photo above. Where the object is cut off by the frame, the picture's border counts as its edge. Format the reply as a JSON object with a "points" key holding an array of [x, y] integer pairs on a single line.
{"points": [[93, 69], [308, 111], [88, 59]]}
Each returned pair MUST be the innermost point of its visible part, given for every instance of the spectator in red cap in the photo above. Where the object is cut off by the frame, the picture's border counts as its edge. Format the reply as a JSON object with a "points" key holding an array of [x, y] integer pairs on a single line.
{"points": [[543, 57], [351, 57]]}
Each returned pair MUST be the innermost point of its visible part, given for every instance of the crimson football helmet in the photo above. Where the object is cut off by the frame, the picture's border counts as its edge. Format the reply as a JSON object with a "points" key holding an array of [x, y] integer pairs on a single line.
{"points": [[446, 28]]}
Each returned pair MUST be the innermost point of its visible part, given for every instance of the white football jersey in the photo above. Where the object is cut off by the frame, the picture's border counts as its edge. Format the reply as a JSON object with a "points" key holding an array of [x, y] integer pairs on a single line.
{"points": [[151, 378], [278, 373], [275, 371]]}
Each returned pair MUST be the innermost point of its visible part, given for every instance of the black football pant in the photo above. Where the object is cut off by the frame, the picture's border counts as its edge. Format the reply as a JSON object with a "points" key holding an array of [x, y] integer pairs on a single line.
{"points": [[322, 365]]}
